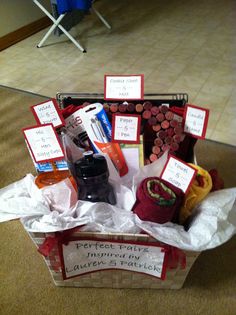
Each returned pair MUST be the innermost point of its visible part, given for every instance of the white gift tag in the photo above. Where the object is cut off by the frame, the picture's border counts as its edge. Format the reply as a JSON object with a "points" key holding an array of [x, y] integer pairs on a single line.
{"points": [[126, 128], [85, 256], [129, 87], [43, 143], [48, 112], [178, 173], [196, 120]]}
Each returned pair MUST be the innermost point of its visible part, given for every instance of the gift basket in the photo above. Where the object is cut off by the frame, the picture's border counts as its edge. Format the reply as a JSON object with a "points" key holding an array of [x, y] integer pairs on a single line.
{"points": [[119, 200]]}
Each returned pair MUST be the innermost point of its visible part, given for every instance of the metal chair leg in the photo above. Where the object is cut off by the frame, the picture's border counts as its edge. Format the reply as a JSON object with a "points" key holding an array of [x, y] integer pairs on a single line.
{"points": [[56, 24]]}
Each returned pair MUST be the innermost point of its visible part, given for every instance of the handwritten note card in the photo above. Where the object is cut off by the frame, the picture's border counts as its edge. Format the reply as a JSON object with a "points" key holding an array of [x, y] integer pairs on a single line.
{"points": [[126, 128], [48, 112], [123, 87], [178, 173], [196, 119], [85, 256], [43, 143]]}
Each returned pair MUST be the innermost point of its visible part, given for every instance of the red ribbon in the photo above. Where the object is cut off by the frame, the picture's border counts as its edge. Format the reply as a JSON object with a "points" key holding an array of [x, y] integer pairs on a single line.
{"points": [[175, 256]]}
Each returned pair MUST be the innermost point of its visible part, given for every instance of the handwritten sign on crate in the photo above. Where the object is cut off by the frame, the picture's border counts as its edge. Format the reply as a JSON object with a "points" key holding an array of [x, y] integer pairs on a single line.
{"points": [[85, 256]]}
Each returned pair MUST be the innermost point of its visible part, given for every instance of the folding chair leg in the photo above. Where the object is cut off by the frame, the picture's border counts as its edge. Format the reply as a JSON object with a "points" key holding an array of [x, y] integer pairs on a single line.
{"points": [[56, 24], [101, 17], [52, 28]]}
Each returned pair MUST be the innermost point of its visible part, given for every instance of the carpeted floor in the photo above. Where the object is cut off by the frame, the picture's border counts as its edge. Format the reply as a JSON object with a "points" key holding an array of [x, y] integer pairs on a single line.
{"points": [[26, 286]]}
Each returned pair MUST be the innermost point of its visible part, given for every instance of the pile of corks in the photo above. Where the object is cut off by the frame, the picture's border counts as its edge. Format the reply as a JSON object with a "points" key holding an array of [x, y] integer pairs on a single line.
{"points": [[161, 127]]}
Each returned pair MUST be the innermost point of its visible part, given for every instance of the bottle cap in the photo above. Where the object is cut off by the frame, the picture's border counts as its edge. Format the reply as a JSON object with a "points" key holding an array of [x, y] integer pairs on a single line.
{"points": [[90, 165]]}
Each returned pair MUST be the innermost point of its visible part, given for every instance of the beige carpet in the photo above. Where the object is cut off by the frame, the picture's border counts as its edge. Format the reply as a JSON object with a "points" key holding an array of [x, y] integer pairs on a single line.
{"points": [[25, 283]]}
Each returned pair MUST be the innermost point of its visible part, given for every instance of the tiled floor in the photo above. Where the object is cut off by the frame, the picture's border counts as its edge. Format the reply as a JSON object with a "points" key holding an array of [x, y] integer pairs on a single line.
{"points": [[179, 45]]}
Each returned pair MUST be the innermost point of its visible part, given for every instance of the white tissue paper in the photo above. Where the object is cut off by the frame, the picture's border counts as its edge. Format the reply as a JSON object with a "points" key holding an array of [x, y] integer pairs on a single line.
{"points": [[56, 208]]}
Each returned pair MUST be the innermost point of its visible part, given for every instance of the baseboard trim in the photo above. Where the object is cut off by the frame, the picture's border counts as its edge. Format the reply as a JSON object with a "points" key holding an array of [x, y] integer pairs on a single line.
{"points": [[23, 32]]}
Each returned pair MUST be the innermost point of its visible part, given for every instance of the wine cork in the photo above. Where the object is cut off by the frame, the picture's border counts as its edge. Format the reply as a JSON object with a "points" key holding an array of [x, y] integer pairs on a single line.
{"points": [[161, 134], [165, 124], [165, 147], [173, 123], [106, 107], [156, 127], [170, 132], [130, 107], [177, 138], [122, 108], [158, 142], [139, 108], [154, 110], [147, 105], [146, 114], [147, 162], [114, 108], [164, 109], [156, 150], [168, 140], [169, 115], [153, 157], [160, 117], [152, 121]]}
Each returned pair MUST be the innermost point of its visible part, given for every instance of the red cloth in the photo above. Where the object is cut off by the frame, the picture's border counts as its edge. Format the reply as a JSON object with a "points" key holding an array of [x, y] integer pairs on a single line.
{"points": [[217, 181], [162, 204], [66, 112]]}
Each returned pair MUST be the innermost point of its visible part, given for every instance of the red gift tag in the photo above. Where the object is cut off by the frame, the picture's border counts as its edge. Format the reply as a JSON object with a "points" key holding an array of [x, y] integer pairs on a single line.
{"points": [[48, 112], [126, 128], [195, 121], [124, 87], [43, 143], [178, 173]]}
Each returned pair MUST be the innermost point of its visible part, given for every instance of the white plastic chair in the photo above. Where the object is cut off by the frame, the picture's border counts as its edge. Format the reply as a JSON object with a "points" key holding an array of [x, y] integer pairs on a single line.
{"points": [[56, 23]]}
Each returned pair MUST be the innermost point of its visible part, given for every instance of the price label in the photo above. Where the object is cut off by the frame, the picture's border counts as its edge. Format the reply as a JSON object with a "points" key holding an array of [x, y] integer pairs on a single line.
{"points": [[85, 256], [48, 113], [196, 120], [178, 173], [128, 87], [126, 128], [43, 143]]}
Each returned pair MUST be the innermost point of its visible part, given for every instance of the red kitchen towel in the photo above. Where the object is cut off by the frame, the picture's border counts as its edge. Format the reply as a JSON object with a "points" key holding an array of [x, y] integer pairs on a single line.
{"points": [[158, 201]]}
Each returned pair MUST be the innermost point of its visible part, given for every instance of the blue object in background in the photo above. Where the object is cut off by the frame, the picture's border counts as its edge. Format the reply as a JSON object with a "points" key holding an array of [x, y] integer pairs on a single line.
{"points": [[64, 6]]}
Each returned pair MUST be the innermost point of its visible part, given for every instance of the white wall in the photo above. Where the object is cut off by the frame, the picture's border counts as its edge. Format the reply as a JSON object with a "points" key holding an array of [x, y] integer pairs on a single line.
{"points": [[17, 13]]}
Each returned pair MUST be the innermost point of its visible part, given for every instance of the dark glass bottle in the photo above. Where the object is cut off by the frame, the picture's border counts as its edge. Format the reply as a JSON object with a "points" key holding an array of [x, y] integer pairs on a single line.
{"points": [[92, 178]]}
